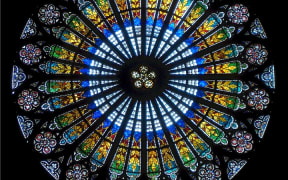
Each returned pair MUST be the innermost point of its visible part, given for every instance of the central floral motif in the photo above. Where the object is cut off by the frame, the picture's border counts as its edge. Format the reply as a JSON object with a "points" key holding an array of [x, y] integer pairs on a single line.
{"points": [[143, 77]]}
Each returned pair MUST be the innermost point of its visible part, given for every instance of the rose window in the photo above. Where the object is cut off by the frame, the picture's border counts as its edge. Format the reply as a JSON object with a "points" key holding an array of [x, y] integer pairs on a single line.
{"points": [[143, 88]]}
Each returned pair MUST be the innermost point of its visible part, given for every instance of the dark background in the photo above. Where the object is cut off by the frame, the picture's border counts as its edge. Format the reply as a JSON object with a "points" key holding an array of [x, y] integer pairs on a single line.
{"points": [[18, 161]]}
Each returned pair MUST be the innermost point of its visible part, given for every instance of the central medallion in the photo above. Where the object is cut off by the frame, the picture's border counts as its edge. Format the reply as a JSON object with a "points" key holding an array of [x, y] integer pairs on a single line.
{"points": [[144, 77]]}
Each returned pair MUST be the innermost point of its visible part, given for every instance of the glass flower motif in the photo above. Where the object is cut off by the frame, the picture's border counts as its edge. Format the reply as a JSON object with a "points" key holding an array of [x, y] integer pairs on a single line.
{"points": [[129, 89]]}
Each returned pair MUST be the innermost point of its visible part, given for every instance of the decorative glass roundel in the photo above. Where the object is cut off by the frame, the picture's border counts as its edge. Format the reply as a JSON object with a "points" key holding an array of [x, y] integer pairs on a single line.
{"points": [[143, 88]]}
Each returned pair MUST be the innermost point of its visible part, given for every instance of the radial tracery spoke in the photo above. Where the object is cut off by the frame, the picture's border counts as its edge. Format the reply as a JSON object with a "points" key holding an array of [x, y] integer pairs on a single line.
{"points": [[187, 34], [206, 77], [90, 55], [121, 24], [107, 125], [88, 42], [195, 132], [165, 25], [201, 101], [102, 36], [121, 129], [178, 26], [167, 135], [105, 11], [96, 126]]}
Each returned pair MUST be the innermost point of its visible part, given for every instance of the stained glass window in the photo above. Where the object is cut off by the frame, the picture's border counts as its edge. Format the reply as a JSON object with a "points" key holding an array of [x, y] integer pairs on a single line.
{"points": [[143, 89]]}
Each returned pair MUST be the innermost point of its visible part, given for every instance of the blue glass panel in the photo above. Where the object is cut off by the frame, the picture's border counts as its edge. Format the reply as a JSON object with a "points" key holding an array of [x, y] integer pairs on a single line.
{"points": [[98, 42], [107, 33], [87, 61], [85, 83], [179, 32], [189, 41], [127, 23], [137, 135], [172, 129], [200, 93], [196, 106], [84, 71], [127, 134], [149, 21], [160, 134], [115, 128], [91, 106], [194, 49], [202, 70], [97, 114], [202, 83], [190, 114], [181, 123], [106, 123], [171, 26], [137, 22], [116, 27], [87, 93], [200, 61], [92, 50], [159, 23], [150, 136]]}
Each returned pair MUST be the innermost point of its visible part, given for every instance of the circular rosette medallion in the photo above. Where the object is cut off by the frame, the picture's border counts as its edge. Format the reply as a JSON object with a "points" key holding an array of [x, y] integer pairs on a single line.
{"points": [[143, 88]]}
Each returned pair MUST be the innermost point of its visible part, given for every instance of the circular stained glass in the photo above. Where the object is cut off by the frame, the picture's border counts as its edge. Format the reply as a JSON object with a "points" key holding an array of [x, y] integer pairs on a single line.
{"points": [[143, 89]]}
